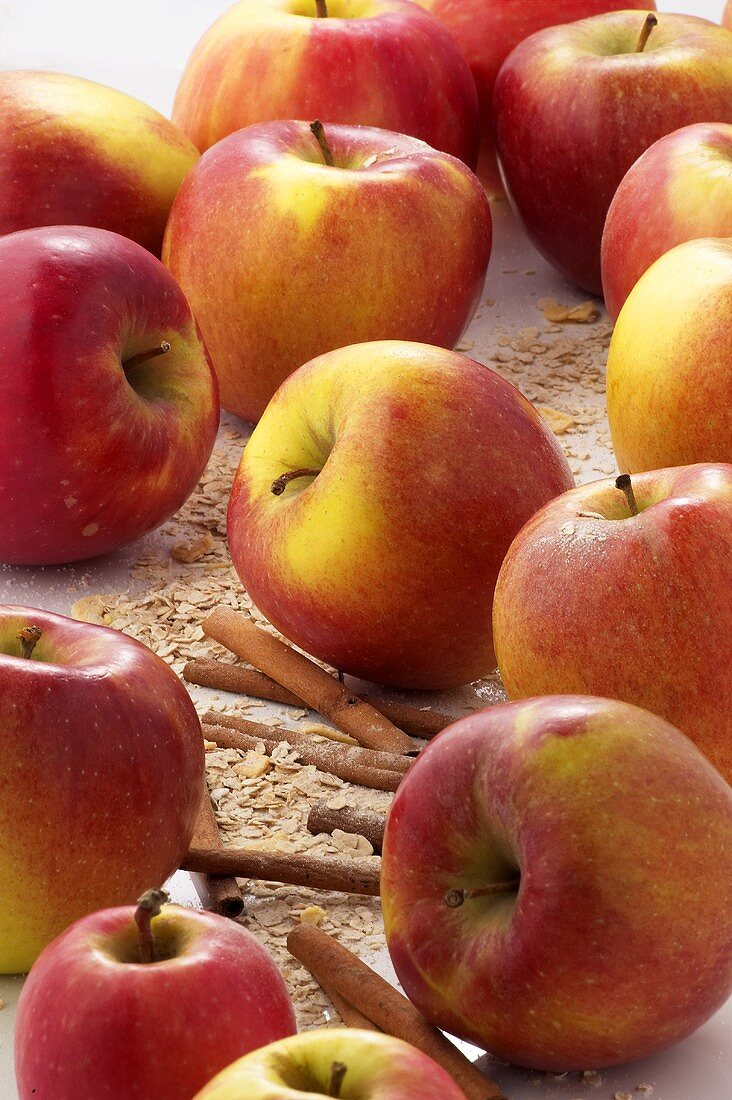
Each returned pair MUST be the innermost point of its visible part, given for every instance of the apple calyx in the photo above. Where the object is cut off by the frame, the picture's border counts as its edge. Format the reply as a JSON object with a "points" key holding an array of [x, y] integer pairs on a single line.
{"points": [[650, 22], [280, 484], [29, 638], [338, 1071], [148, 906], [626, 486], [318, 131], [321, 9], [455, 898], [143, 356]]}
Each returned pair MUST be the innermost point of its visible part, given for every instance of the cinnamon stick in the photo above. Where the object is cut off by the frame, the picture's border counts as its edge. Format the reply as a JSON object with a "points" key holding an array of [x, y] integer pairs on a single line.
{"points": [[307, 680], [224, 894], [323, 819], [247, 681], [350, 768], [347, 876], [341, 972]]}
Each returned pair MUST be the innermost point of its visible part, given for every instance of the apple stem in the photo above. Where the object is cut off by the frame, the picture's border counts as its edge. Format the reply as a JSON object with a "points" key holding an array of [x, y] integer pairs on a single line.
{"points": [[625, 485], [321, 9], [338, 1071], [281, 483], [29, 637], [318, 131], [148, 906], [143, 356], [455, 898], [650, 23]]}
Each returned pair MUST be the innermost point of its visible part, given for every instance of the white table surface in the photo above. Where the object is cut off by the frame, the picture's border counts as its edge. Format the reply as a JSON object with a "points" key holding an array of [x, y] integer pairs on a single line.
{"points": [[140, 47]]}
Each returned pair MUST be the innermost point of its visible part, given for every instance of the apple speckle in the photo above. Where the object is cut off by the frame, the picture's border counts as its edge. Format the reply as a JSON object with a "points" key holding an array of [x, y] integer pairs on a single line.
{"points": [[90, 529]]}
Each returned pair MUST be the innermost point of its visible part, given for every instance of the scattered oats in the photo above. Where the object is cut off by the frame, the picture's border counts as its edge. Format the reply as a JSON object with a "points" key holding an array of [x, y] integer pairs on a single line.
{"points": [[318, 729], [314, 914], [352, 843], [209, 746], [90, 609], [337, 802], [581, 314], [559, 422], [591, 1077], [2, 1004], [644, 1088], [194, 549], [465, 345], [253, 765], [622, 1096]]}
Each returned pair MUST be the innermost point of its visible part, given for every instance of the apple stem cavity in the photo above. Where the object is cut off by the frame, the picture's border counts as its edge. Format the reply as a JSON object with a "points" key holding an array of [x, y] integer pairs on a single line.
{"points": [[338, 1071], [650, 22], [281, 483], [29, 638], [321, 9], [148, 906], [626, 486], [143, 356], [455, 898], [318, 131]]}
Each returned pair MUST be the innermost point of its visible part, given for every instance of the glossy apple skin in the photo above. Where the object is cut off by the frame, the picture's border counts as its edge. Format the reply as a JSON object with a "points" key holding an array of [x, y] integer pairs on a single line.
{"points": [[283, 258], [669, 386], [634, 608], [93, 1021], [92, 459], [384, 564], [575, 106], [678, 190], [379, 1068], [106, 777], [73, 152], [727, 15], [382, 63], [487, 31], [617, 942]]}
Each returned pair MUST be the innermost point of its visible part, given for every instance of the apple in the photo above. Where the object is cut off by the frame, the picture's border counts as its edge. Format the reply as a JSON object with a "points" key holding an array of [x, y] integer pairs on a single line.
{"points": [[669, 385], [99, 1012], [487, 31], [374, 504], [101, 777], [556, 883], [383, 63], [678, 190], [576, 105], [593, 599], [283, 256], [108, 403], [727, 15], [343, 1062], [77, 153]]}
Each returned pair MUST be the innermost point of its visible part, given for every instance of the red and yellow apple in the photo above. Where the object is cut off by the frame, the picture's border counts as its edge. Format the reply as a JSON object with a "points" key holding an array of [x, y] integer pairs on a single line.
{"points": [[102, 770], [327, 1062], [678, 190], [108, 403], [383, 63], [77, 153], [487, 30], [593, 599], [94, 1013], [727, 15], [669, 383], [576, 105], [374, 504], [556, 883], [283, 256]]}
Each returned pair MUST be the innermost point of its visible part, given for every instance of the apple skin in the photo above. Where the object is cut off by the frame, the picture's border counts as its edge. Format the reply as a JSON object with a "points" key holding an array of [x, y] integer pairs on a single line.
{"points": [[575, 106], [94, 1021], [487, 31], [634, 608], [617, 942], [382, 63], [669, 385], [678, 190], [384, 564], [102, 780], [273, 249], [727, 15], [379, 1068], [73, 152], [92, 459]]}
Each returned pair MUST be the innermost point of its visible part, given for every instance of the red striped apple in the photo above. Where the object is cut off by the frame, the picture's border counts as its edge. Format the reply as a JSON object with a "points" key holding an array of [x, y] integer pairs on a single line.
{"points": [[327, 1062], [727, 15], [77, 153], [374, 504], [108, 402], [669, 384], [101, 780], [556, 882], [283, 256], [102, 1011], [678, 190], [381, 63], [576, 105], [594, 599]]}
